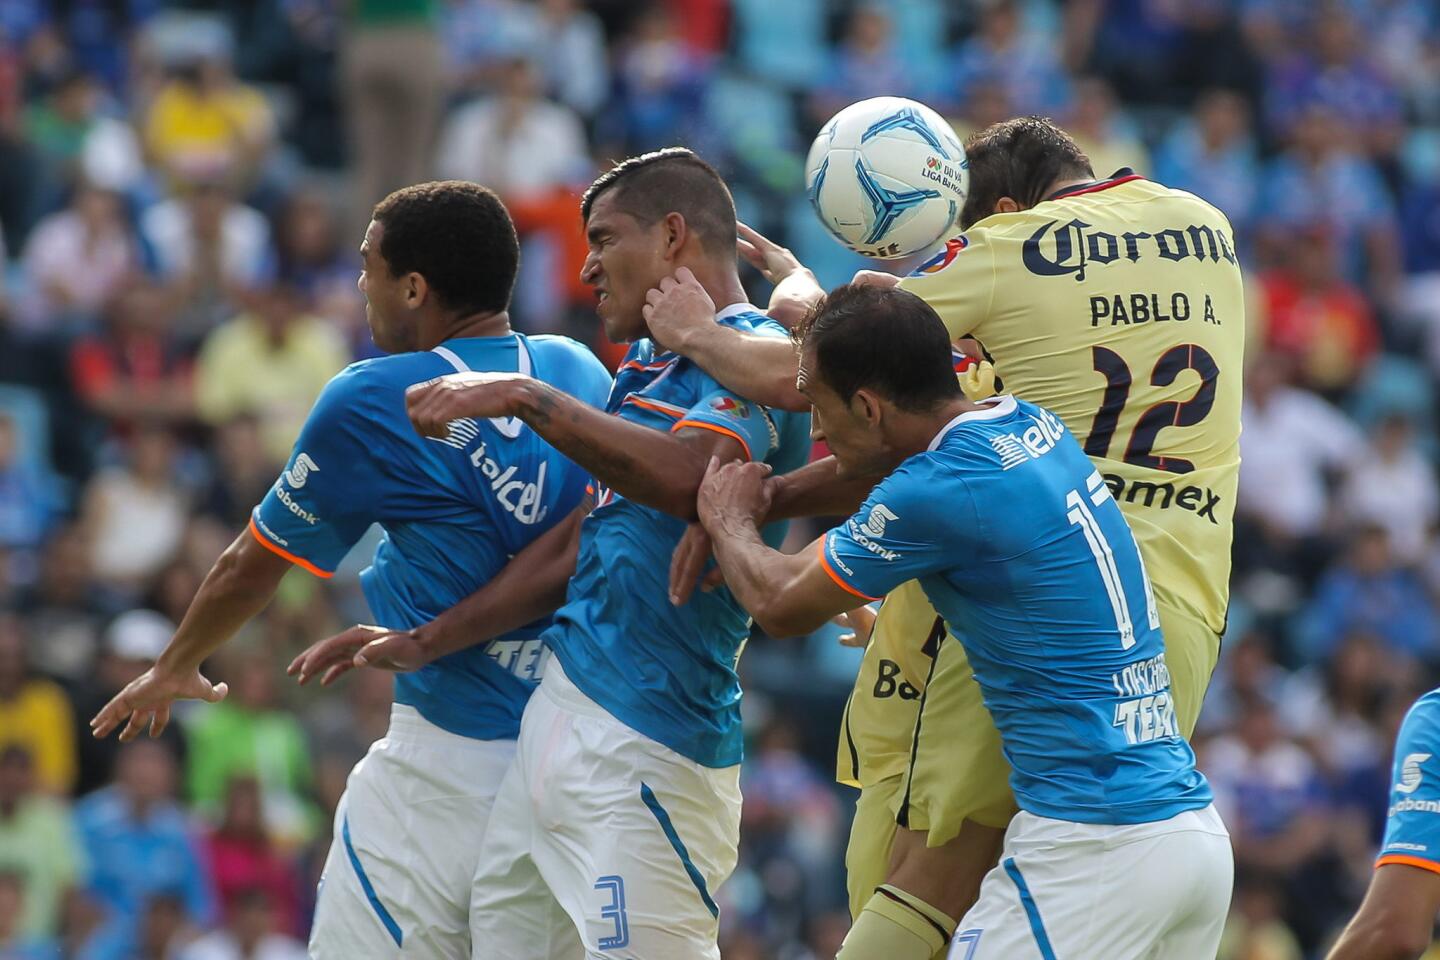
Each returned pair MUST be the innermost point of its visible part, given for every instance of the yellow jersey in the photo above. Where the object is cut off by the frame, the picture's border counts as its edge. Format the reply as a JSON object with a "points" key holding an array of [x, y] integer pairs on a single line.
{"points": [[1119, 306]]}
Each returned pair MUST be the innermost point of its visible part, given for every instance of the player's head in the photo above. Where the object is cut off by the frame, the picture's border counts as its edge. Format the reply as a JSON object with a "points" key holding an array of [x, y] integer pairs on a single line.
{"points": [[1015, 163], [870, 356], [433, 253], [643, 219]]}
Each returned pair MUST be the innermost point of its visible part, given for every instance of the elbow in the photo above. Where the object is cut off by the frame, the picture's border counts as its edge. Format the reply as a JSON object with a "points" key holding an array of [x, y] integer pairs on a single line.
{"points": [[780, 622]]}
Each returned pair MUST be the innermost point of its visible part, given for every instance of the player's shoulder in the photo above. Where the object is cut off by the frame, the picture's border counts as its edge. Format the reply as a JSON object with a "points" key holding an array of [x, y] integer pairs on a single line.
{"points": [[1423, 719], [571, 366], [749, 318], [371, 387]]}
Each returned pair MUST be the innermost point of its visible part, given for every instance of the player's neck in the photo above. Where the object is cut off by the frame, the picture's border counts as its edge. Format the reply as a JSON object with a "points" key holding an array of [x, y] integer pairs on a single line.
{"points": [[1065, 184], [914, 432], [470, 325], [721, 283]]}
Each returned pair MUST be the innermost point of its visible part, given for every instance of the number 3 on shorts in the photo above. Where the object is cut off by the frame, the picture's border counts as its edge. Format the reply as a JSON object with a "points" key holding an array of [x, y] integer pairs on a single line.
{"points": [[614, 911]]}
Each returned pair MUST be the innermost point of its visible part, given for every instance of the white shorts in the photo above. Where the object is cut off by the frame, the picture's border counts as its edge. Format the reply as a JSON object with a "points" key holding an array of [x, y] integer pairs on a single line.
{"points": [[1077, 891], [602, 826], [407, 838]]}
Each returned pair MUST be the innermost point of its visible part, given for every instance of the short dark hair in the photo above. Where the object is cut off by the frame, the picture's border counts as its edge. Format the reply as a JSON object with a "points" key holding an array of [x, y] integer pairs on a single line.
{"points": [[673, 180], [458, 236], [882, 338], [1020, 159]]}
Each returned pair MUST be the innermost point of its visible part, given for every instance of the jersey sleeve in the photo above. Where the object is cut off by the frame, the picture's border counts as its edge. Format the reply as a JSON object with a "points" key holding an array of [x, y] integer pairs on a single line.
{"points": [[1412, 828], [958, 283], [325, 499], [906, 528], [724, 412]]}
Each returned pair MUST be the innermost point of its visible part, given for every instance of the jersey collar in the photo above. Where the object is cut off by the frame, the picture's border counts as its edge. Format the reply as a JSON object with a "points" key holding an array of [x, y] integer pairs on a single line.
{"points": [[996, 407], [734, 310], [1123, 175]]}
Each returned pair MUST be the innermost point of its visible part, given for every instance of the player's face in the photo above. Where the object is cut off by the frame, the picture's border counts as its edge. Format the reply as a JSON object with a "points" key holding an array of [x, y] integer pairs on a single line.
{"points": [[626, 259], [391, 325], [852, 436]]}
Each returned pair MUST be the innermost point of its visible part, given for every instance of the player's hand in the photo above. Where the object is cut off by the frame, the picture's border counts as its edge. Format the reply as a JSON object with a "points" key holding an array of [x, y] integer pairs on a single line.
{"points": [[687, 565], [734, 493], [146, 701], [434, 404], [359, 646], [676, 309], [774, 262], [861, 622], [874, 278]]}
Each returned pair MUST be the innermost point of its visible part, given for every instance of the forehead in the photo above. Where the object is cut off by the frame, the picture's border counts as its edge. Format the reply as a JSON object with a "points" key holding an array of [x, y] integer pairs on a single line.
{"points": [[605, 214]]}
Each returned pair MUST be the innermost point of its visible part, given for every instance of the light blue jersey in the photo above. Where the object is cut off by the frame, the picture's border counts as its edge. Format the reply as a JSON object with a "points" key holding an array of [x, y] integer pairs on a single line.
{"points": [[1017, 543], [454, 511], [664, 671], [1412, 829]]}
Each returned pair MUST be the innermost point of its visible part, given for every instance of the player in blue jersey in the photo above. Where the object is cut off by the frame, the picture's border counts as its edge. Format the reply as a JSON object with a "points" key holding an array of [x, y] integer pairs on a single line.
{"points": [[621, 814], [1117, 851], [1397, 917], [439, 261]]}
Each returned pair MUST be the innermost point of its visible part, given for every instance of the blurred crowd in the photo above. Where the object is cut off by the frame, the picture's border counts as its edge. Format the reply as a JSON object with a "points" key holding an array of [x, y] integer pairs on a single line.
{"points": [[183, 186]]}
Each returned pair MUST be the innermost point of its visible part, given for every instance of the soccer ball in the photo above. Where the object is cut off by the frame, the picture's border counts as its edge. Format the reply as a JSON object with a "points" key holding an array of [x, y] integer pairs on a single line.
{"points": [[887, 176]]}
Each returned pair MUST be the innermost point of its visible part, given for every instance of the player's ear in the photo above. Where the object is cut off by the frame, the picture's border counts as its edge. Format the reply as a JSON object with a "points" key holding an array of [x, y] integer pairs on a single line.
{"points": [[417, 290], [676, 232], [866, 406], [1006, 205]]}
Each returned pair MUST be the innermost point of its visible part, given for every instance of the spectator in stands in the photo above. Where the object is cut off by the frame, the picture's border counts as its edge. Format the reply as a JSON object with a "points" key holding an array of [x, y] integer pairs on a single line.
{"points": [[131, 644], [76, 260], [572, 55], [250, 933], [28, 503], [165, 929], [867, 64], [1370, 592], [16, 942], [56, 128], [659, 86], [249, 733], [1318, 318], [62, 607], [1103, 130], [270, 362], [1321, 180], [132, 369], [1025, 63], [134, 513], [392, 81], [208, 249], [139, 844], [204, 121], [244, 471], [1391, 484], [314, 259], [37, 843], [243, 860], [1212, 154], [35, 713]]}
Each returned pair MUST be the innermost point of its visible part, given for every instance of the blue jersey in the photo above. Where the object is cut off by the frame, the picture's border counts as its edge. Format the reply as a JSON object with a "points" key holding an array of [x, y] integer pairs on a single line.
{"points": [[1412, 829], [454, 511], [668, 672], [1018, 545]]}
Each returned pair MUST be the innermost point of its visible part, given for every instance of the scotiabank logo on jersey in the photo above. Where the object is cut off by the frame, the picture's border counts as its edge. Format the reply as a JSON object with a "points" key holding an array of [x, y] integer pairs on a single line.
{"points": [[944, 258], [1069, 249]]}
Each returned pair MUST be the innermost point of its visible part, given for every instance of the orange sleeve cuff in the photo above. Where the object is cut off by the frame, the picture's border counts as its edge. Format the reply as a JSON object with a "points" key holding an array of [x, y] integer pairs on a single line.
{"points": [[1408, 861], [839, 581], [279, 551], [726, 431]]}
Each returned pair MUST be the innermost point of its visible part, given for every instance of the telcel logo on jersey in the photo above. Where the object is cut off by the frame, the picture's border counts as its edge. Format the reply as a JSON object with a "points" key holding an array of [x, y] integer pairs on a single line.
{"points": [[1033, 443], [300, 470], [518, 497]]}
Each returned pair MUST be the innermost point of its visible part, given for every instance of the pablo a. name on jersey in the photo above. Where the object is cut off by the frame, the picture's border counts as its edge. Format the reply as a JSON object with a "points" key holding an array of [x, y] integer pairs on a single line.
{"points": [[1074, 247]]}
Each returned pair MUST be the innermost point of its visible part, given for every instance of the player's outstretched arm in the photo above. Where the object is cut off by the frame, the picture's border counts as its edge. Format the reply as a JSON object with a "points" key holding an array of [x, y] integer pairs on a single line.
{"points": [[237, 588], [661, 470], [681, 317], [787, 594], [527, 588], [1396, 918]]}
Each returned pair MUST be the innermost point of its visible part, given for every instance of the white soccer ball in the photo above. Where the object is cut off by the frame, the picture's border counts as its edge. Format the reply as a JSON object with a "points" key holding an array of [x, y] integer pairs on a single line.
{"points": [[887, 176]]}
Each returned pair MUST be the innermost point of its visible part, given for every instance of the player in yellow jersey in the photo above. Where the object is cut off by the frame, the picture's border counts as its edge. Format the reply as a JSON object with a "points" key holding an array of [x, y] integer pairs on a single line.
{"points": [[1117, 304]]}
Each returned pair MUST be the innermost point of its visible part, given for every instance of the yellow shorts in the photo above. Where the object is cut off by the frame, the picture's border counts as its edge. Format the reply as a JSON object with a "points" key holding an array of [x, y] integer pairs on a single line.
{"points": [[957, 770]]}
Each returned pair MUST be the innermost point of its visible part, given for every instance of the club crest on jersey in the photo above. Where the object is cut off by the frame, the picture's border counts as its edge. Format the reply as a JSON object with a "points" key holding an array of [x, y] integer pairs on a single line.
{"points": [[944, 258], [736, 408]]}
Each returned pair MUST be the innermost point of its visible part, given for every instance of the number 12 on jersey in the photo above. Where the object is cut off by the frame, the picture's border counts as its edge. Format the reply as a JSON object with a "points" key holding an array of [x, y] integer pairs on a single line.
{"points": [[1079, 514]]}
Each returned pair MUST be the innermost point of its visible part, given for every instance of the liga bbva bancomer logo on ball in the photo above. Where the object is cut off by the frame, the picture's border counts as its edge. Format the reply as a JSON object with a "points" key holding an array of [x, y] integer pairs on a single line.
{"points": [[887, 177]]}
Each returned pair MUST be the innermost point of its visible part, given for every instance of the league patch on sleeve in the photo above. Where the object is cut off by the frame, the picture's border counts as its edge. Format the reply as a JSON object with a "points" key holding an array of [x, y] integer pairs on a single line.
{"points": [[944, 258]]}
